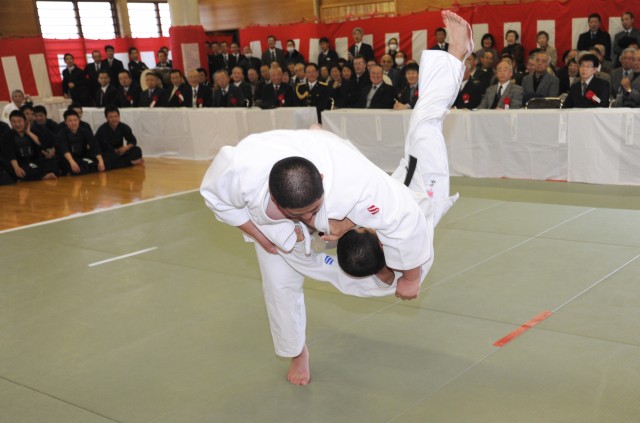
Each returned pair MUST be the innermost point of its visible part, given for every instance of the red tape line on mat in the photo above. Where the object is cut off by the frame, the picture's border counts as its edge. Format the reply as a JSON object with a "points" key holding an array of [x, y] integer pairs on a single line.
{"points": [[522, 329]]}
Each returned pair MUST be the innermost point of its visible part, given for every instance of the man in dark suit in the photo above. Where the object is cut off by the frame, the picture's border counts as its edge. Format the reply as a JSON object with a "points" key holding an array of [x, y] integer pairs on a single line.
{"points": [[441, 44], [359, 47], [136, 67], [237, 79], [407, 96], [392, 73], [154, 95], [624, 71], [236, 56], [226, 95], [327, 57], [590, 91], [75, 84], [379, 95], [470, 94], [313, 93], [176, 93], [628, 31], [484, 72], [93, 70], [106, 94], [272, 53], [197, 95], [226, 60], [112, 65], [277, 93], [540, 83], [163, 61], [629, 95], [256, 87], [595, 36], [360, 82], [128, 92], [249, 62]]}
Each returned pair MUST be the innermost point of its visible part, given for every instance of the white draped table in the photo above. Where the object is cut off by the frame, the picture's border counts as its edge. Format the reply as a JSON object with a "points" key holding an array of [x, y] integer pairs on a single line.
{"points": [[200, 133], [594, 146]]}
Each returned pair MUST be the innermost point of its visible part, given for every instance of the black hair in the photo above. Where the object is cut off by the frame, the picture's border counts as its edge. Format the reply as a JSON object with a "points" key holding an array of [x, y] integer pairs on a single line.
{"points": [[313, 65], [70, 112], [17, 113], [594, 15], [40, 109], [74, 106], [295, 182], [441, 29], [109, 47], [110, 109], [202, 70], [412, 66], [360, 253], [514, 32], [590, 58], [67, 54], [132, 49], [178, 71], [490, 37], [323, 40], [26, 106], [125, 71], [545, 33]]}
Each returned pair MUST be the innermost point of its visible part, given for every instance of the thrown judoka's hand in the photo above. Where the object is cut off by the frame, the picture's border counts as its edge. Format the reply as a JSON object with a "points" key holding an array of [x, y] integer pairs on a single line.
{"points": [[299, 234], [338, 228], [407, 289]]}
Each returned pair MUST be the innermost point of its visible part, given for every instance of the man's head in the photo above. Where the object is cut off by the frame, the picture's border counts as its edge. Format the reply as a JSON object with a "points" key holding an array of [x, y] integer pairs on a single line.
{"points": [[68, 59], [504, 71], [124, 77], [275, 76], [203, 75], [224, 47], [357, 34], [113, 116], [324, 44], [134, 54], [215, 47], [162, 56], [626, 58], [386, 62], [296, 188], [636, 62], [375, 74], [411, 73], [598, 50], [311, 72], [627, 20], [17, 96], [253, 76], [27, 109], [18, 121], [265, 72], [371, 63], [109, 51], [235, 48], [97, 56], [271, 41], [248, 53], [193, 78], [359, 65], [176, 77], [291, 46], [76, 107], [531, 64], [299, 70], [541, 62], [103, 78], [594, 22], [487, 59], [72, 120], [40, 115], [222, 78], [237, 74], [441, 35], [360, 253], [152, 80], [588, 65]]}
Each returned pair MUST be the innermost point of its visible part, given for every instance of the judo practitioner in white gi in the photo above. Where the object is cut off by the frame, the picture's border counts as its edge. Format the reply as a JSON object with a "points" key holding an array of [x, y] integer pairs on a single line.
{"points": [[236, 188]]}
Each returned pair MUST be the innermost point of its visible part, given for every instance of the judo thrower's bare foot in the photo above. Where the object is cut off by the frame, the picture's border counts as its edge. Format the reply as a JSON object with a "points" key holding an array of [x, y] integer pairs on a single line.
{"points": [[299, 373], [460, 35]]}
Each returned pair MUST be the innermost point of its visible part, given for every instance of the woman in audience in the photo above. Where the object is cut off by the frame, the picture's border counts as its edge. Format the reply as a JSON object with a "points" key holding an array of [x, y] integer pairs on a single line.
{"points": [[77, 148], [340, 88], [543, 43], [286, 76], [488, 43], [514, 49], [392, 47], [569, 77]]}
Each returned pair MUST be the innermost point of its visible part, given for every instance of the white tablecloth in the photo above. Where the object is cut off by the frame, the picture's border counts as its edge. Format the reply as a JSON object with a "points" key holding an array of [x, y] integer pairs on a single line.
{"points": [[595, 146], [199, 133]]}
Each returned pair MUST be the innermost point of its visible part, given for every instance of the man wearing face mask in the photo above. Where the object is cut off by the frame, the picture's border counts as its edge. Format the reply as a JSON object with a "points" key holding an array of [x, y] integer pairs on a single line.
{"points": [[292, 55], [249, 62]]}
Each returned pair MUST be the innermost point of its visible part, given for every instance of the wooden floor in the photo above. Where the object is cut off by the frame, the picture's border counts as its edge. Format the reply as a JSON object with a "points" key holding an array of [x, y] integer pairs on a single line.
{"points": [[32, 202]]}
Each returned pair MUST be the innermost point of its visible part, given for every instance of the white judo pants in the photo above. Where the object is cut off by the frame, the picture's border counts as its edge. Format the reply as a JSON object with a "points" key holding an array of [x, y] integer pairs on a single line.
{"points": [[440, 78]]}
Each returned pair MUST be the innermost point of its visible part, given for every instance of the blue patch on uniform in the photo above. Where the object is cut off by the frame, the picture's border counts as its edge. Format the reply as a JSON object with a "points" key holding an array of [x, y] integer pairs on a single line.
{"points": [[328, 260]]}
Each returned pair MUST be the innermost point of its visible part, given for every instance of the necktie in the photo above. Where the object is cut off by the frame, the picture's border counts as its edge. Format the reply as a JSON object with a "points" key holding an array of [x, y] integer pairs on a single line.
{"points": [[412, 92], [150, 93], [357, 50], [97, 67], [626, 74], [370, 96], [496, 100], [195, 97], [224, 92], [593, 35], [584, 88], [273, 56]]}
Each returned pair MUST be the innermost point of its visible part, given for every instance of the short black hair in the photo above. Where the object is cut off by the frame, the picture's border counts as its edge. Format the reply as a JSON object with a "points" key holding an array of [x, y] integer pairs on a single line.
{"points": [[67, 54], [594, 15], [109, 47], [202, 70], [26, 106], [313, 65], [70, 112], [488, 36], [178, 71], [295, 182], [412, 66], [590, 58], [40, 109], [360, 253], [110, 109], [132, 49], [323, 40], [74, 106], [514, 32], [441, 29], [17, 113], [125, 71]]}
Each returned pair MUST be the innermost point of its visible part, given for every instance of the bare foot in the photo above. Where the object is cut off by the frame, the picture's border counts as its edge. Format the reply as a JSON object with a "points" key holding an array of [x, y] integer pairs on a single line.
{"points": [[299, 373], [137, 162], [460, 35], [49, 176]]}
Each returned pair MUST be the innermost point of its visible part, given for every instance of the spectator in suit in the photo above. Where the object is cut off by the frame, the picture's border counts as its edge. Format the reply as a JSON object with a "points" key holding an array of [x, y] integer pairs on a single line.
{"points": [[378, 95], [75, 84], [265, 74], [540, 83], [488, 43], [118, 145], [256, 87], [277, 93], [326, 56], [154, 95], [176, 93], [128, 92], [136, 67], [313, 93], [93, 70], [543, 44], [237, 79], [514, 49], [389, 71], [197, 95], [496, 95], [299, 75], [272, 53], [407, 96], [106, 94], [630, 87], [470, 94], [628, 31], [486, 67], [226, 94], [360, 48], [226, 60], [292, 55], [624, 71], [341, 85], [203, 77], [112, 65], [605, 65], [441, 44], [568, 76], [595, 36], [324, 73], [163, 61], [360, 82], [236, 55], [590, 91], [286, 77], [249, 62]]}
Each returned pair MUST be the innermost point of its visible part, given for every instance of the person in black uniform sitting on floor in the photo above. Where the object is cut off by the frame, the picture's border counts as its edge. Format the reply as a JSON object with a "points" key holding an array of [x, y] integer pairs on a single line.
{"points": [[111, 137], [78, 109], [23, 153], [40, 117], [77, 149]]}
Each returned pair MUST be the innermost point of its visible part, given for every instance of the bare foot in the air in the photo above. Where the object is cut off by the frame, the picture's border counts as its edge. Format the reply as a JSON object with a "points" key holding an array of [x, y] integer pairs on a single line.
{"points": [[460, 35], [299, 373]]}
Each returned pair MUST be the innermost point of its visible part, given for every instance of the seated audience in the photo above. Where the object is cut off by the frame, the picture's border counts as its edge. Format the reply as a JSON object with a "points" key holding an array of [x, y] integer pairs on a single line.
{"points": [[265, 74], [441, 44], [504, 94], [471, 90], [256, 87], [117, 143], [226, 94], [276, 93], [128, 93], [237, 78], [106, 94], [327, 56], [486, 68], [18, 99], [286, 77], [75, 84], [40, 117], [298, 77], [78, 109], [624, 71], [568, 76], [540, 83], [359, 83], [590, 91], [46, 137], [154, 95], [176, 94], [386, 61], [378, 95], [400, 61], [543, 44], [197, 95], [77, 149], [407, 96], [203, 77], [22, 152], [605, 65], [630, 86], [313, 93], [324, 73], [135, 66], [488, 43]]}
